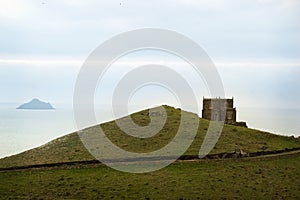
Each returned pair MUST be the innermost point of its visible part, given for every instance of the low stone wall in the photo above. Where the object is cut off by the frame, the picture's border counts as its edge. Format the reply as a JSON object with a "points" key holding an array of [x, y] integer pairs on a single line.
{"points": [[242, 124], [79, 164]]}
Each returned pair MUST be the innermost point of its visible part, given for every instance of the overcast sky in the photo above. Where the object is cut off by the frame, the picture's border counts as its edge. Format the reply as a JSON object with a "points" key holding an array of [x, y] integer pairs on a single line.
{"points": [[255, 44]]}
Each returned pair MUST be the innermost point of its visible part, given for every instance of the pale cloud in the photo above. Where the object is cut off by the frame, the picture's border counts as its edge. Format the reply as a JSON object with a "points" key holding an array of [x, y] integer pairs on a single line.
{"points": [[258, 64], [41, 63], [202, 3], [76, 62], [271, 2], [54, 79], [79, 3], [291, 2], [44, 40], [14, 9], [76, 27]]}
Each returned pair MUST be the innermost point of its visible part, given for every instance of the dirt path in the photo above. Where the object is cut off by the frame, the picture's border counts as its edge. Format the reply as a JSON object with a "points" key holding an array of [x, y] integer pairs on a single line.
{"points": [[96, 163]]}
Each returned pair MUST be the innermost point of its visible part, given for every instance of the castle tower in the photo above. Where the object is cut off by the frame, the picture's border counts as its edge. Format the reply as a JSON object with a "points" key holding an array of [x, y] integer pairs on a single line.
{"points": [[217, 109]]}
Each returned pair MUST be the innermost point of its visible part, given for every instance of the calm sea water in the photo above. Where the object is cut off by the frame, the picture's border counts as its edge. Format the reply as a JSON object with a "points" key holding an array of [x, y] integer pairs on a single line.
{"points": [[24, 129], [279, 121]]}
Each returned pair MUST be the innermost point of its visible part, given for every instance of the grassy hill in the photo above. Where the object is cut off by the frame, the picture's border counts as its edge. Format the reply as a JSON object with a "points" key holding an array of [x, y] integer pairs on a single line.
{"points": [[69, 148]]}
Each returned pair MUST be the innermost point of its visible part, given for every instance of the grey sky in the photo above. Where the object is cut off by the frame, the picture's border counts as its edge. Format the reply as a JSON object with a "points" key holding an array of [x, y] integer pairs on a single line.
{"points": [[254, 43]]}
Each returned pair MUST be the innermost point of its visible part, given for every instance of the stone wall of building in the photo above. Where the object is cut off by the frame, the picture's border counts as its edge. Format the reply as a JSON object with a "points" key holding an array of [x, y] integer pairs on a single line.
{"points": [[217, 109]]}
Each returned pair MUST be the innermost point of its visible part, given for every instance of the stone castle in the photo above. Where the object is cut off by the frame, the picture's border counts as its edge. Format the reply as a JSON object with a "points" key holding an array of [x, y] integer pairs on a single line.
{"points": [[217, 109]]}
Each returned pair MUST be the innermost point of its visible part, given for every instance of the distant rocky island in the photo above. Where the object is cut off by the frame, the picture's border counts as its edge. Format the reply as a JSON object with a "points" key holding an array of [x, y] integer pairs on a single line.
{"points": [[36, 104]]}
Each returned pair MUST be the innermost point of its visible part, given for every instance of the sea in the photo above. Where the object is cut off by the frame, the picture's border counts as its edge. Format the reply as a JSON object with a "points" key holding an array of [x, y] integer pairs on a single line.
{"points": [[21, 130]]}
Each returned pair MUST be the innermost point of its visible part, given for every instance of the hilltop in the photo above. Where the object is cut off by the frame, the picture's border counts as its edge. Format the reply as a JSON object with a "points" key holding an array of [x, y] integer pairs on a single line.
{"points": [[233, 138]]}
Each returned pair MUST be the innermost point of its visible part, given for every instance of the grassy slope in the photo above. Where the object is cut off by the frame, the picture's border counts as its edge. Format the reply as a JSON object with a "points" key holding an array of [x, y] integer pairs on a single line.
{"points": [[265, 178], [70, 148]]}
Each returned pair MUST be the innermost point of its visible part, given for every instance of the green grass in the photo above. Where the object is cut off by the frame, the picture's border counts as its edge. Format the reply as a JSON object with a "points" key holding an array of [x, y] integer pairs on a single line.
{"points": [[276, 177], [69, 147], [264, 178]]}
